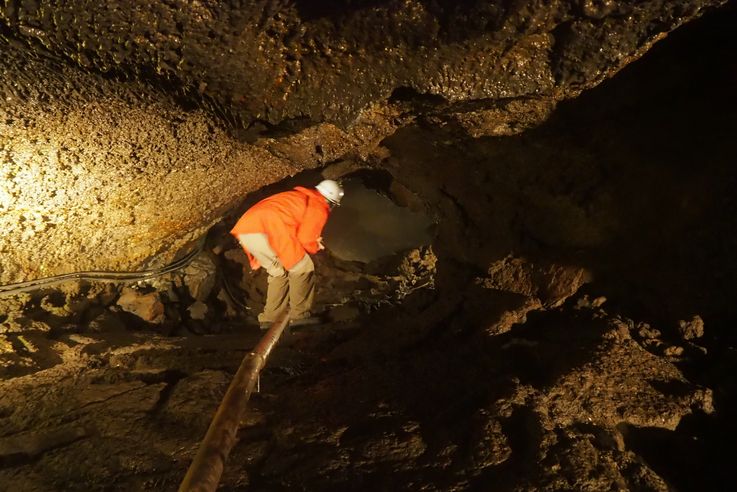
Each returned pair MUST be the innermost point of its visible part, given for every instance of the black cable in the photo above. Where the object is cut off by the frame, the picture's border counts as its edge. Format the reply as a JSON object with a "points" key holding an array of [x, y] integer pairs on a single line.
{"points": [[30, 285]]}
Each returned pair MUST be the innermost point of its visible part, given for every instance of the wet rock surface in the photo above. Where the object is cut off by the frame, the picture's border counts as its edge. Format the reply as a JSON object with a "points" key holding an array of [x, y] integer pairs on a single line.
{"points": [[274, 61]]}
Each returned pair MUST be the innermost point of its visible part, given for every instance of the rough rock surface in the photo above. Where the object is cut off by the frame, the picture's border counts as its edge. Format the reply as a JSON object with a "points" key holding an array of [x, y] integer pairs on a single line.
{"points": [[691, 329], [329, 61], [117, 176], [114, 117], [148, 307], [482, 362], [556, 402], [200, 277], [579, 381]]}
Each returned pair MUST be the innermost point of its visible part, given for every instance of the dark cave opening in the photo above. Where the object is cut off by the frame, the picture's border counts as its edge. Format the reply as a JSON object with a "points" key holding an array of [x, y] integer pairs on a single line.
{"points": [[369, 226]]}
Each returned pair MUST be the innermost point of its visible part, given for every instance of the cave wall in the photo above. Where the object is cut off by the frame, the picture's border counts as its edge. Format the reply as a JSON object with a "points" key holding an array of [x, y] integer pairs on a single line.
{"points": [[99, 179], [276, 60], [103, 174], [128, 129], [631, 183]]}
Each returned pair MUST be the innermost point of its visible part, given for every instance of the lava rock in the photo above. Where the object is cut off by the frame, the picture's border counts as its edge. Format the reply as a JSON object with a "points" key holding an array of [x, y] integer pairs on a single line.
{"points": [[198, 310], [692, 329], [551, 283], [200, 276], [490, 446], [148, 307], [106, 322]]}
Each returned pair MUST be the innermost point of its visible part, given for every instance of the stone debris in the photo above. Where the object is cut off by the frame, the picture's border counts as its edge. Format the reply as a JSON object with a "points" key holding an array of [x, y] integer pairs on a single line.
{"points": [[27, 344], [148, 307], [6, 346], [691, 329], [231, 310], [417, 271], [198, 310], [673, 351], [200, 276], [551, 283], [584, 380], [647, 332], [51, 304]]}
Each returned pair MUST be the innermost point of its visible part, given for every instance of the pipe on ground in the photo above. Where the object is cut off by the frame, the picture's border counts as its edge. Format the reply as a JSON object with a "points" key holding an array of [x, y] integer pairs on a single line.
{"points": [[207, 467]]}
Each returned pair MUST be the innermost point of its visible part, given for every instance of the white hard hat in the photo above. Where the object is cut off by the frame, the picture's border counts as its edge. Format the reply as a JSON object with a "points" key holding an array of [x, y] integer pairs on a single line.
{"points": [[331, 190]]}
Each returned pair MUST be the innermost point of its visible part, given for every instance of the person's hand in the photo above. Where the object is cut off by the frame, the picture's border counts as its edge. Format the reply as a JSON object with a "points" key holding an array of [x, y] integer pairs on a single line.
{"points": [[319, 243]]}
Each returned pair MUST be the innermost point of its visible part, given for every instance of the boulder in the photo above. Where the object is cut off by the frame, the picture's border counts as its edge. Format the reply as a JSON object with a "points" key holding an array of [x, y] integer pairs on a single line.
{"points": [[200, 276], [148, 307]]}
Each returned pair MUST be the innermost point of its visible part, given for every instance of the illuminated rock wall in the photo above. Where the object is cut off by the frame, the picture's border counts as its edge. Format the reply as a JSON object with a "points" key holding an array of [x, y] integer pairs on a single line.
{"points": [[126, 132]]}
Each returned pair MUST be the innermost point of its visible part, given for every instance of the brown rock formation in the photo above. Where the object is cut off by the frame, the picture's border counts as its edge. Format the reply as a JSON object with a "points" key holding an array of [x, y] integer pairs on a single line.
{"points": [[128, 129]]}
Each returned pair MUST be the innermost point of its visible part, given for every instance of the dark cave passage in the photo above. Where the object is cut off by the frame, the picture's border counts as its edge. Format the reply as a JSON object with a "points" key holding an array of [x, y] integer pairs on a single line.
{"points": [[369, 226]]}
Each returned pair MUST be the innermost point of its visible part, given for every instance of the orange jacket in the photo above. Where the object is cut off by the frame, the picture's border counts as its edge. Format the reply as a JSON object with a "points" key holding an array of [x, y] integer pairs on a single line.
{"points": [[292, 221]]}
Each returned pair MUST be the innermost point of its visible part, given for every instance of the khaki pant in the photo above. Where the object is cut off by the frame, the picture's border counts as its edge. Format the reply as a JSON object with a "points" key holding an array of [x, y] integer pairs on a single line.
{"points": [[293, 289]]}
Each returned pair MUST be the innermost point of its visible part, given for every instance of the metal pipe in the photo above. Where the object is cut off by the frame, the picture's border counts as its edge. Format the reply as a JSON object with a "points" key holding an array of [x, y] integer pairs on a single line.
{"points": [[207, 467]]}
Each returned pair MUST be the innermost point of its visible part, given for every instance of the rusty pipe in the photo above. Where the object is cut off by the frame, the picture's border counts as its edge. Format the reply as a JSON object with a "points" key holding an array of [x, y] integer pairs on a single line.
{"points": [[207, 466]]}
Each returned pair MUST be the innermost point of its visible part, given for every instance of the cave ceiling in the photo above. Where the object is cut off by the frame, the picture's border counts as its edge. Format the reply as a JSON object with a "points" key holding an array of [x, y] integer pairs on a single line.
{"points": [[128, 128]]}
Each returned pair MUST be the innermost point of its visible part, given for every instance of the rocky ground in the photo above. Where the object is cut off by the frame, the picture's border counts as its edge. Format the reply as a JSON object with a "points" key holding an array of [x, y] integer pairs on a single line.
{"points": [[399, 389]]}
